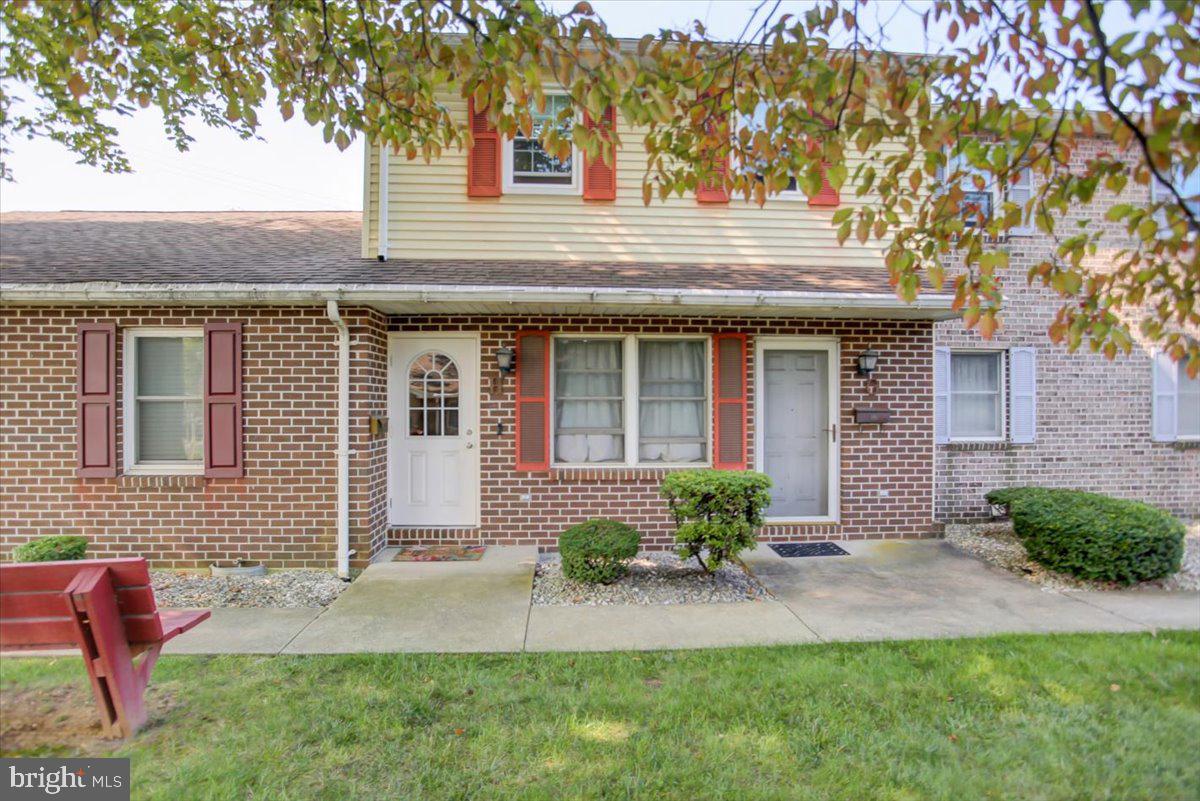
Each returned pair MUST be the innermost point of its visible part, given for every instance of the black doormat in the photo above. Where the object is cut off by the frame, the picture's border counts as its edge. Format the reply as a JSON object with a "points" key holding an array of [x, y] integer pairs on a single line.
{"points": [[790, 549]]}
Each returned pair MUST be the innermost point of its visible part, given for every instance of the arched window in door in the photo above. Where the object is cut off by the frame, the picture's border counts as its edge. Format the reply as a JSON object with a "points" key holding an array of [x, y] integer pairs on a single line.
{"points": [[433, 396]]}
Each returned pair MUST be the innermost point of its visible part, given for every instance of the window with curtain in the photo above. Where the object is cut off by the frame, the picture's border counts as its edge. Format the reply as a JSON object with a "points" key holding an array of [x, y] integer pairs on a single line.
{"points": [[976, 395], [589, 418], [1187, 420], [672, 401], [168, 399]]}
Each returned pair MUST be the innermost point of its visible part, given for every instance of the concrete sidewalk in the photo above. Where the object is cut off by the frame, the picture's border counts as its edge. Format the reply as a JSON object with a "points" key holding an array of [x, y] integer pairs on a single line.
{"points": [[883, 590]]}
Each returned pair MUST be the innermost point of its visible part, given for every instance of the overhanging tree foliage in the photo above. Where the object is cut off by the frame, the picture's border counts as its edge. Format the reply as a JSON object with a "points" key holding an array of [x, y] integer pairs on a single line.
{"points": [[1022, 89]]}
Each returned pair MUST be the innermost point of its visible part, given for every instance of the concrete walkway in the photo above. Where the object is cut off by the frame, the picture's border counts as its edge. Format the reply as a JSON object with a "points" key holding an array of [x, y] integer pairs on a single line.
{"points": [[883, 590]]}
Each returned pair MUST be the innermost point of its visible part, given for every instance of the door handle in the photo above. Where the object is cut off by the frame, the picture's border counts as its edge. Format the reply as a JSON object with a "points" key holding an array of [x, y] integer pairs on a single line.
{"points": [[832, 432], [470, 445]]}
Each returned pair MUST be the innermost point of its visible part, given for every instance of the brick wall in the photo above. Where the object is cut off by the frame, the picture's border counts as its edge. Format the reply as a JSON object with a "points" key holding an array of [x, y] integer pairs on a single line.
{"points": [[896, 458], [282, 511], [1093, 415]]}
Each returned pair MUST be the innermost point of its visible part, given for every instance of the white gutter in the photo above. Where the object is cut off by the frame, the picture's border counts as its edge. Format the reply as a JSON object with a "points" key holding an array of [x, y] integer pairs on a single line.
{"points": [[343, 440], [383, 203], [937, 305]]}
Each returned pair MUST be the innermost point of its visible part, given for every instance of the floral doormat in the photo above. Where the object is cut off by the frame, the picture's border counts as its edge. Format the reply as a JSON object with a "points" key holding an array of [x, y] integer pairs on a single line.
{"points": [[440, 553]]}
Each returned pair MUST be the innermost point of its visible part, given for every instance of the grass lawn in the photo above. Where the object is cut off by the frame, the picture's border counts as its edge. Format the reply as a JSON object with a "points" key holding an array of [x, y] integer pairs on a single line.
{"points": [[1031, 717]]}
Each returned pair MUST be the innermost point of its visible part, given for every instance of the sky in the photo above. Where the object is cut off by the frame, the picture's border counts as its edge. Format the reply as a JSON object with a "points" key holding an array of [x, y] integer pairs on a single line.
{"points": [[290, 167]]}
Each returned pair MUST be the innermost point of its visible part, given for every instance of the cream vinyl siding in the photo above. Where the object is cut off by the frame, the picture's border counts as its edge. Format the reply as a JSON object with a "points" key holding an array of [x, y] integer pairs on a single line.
{"points": [[431, 217]]}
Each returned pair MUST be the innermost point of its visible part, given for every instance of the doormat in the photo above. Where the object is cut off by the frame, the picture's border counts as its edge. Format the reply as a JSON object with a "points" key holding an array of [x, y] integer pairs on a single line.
{"points": [[791, 549], [440, 553]]}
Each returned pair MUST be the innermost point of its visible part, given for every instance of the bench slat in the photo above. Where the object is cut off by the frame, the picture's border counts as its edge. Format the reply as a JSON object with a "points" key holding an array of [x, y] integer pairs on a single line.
{"points": [[49, 603], [45, 632], [46, 576]]}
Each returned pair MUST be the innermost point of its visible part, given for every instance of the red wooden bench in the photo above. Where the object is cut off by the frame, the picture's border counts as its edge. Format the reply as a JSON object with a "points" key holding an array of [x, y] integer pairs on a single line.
{"points": [[106, 608]]}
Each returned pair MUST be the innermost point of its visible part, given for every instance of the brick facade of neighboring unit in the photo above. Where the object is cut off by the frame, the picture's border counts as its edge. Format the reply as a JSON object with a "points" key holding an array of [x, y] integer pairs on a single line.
{"points": [[1093, 415], [283, 510], [1093, 420]]}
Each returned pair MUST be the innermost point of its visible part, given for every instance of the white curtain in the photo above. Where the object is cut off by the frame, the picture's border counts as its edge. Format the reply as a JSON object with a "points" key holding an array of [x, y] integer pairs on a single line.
{"points": [[671, 414], [975, 395], [588, 387], [170, 424]]}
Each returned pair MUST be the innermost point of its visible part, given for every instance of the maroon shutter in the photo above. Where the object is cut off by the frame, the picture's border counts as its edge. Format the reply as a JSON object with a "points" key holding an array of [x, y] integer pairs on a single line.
{"points": [[96, 401], [533, 401], [729, 401], [223, 400], [600, 179], [483, 159]]}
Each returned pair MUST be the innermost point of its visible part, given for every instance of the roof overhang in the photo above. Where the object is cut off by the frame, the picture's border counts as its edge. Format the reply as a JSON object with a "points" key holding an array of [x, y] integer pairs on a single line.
{"points": [[442, 299]]}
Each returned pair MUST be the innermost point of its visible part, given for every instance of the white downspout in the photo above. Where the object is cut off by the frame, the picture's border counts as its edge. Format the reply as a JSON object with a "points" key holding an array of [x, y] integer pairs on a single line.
{"points": [[343, 440], [383, 203]]}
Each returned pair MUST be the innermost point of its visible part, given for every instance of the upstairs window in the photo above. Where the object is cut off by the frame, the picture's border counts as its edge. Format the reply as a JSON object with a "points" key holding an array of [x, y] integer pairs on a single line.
{"points": [[528, 167], [983, 194], [1188, 186]]}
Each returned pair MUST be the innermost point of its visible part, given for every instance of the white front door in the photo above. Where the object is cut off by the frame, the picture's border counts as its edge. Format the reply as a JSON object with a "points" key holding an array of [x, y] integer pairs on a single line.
{"points": [[434, 429], [797, 438]]}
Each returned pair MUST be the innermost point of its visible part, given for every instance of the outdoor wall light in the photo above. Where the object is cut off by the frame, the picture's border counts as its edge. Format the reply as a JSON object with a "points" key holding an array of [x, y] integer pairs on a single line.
{"points": [[867, 361], [506, 360]]}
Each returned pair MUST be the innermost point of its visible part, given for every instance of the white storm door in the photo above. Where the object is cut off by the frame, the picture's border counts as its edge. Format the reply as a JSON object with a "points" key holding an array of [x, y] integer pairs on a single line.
{"points": [[796, 435], [434, 430]]}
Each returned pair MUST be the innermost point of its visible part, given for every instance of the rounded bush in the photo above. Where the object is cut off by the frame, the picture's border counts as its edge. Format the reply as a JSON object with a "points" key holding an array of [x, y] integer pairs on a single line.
{"points": [[1094, 537], [596, 551], [57, 548], [717, 512]]}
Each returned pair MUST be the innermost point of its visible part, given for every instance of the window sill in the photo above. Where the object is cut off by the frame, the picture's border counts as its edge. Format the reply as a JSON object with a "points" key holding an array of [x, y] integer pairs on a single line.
{"points": [[1186, 444], [163, 480], [165, 470], [978, 445], [535, 189], [583, 474]]}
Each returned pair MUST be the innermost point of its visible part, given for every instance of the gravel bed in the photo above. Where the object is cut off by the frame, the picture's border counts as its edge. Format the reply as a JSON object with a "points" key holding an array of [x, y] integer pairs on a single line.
{"points": [[653, 578], [280, 589], [995, 543]]}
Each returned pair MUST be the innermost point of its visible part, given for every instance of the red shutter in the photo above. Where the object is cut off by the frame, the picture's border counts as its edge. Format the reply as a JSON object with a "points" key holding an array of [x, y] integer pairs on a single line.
{"points": [[828, 196], [715, 190], [223, 400], [533, 401], [600, 179], [729, 401], [96, 401], [483, 159]]}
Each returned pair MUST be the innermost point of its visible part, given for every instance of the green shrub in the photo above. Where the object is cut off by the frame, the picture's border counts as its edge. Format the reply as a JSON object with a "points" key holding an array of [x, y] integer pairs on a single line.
{"points": [[1094, 537], [51, 549], [716, 512], [596, 551]]}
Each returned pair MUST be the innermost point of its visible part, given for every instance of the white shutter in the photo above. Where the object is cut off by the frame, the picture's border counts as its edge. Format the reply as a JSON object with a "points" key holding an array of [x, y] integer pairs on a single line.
{"points": [[1023, 392], [1166, 398], [941, 395], [1019, 194]]}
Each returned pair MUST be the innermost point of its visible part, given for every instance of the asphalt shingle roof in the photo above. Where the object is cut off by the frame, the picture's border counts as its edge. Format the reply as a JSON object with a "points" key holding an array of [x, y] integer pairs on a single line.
{"points": [[324, 248]]}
